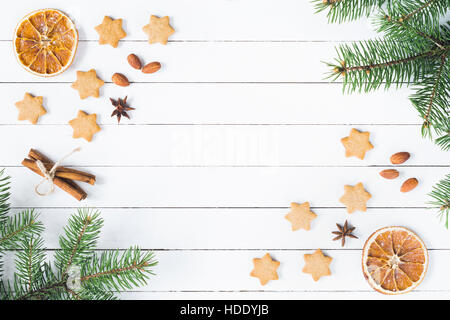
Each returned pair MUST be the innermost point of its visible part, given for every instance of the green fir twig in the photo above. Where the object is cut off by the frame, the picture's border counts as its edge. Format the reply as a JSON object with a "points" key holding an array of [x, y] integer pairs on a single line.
{"points": [[414, 52], [78, 272], [441, 198]]}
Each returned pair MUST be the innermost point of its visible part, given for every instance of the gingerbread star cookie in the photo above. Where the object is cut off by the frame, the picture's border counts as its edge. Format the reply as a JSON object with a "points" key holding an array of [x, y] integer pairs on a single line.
{"points": [[30, 108], [355, 198], [110, 31], [300, 216], [357, 144], [84, 125], [158, 30], [317, 265], [265, 269], [88, 84]]}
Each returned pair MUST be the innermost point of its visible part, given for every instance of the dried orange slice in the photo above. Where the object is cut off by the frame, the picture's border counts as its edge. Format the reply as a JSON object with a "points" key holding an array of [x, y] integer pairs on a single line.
{"points": [[394, 260], [45, 42]]}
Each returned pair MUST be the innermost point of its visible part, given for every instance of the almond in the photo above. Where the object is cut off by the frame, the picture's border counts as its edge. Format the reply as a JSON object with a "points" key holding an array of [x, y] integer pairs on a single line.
{"points": [[134, 61], [389, 173], [399, 157], [151, 67], [409, 184], [120, 80]]}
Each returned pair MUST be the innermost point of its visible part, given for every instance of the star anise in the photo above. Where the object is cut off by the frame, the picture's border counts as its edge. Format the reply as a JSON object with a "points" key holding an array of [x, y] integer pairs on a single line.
{"points": [[344, 231], [121, 108]]}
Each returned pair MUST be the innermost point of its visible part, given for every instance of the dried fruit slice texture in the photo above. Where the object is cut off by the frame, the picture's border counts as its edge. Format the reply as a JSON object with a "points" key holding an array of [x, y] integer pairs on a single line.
{"points": [[398, 240], [402, 280], [409, 245], [39, 64], [61, 26], [379, 274], [388, 283], [384, 241], [377, 252], [68, 39], [23, 45], [395, 260], [416, 256], [51, 19], [53, 63], [45, 42], [63, 55], [38, 22], [26, 30], [412, 270]]}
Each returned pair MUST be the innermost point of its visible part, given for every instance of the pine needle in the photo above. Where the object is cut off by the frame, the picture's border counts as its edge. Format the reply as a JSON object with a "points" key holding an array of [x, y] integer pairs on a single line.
{"points": [[441, 198], [414, 51]]}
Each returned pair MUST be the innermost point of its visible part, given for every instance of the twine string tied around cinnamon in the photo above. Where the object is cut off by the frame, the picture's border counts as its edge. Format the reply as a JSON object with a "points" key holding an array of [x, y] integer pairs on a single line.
{"points": [[49, 175]]}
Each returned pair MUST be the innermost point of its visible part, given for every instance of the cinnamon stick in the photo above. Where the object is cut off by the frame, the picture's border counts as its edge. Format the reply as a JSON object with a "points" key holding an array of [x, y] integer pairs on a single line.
{"points": [[63, 172], [73, 174], [67, 185], [36, 155]]}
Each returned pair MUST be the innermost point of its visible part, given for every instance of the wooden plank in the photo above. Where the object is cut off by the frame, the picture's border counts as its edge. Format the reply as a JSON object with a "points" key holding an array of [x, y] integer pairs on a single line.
{"points": [[210, 103], [221, 270], [248, 63], [192, 145], [200, 20], [250, 228], [229, 270], [192, 62], [228, 187], [281, 295]]}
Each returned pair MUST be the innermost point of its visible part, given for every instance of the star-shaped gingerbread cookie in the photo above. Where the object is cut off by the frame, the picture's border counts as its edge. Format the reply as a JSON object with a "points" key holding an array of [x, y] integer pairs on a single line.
{"points": [[88, 84], [265, 269], [300, 216], [158, 30], [357, 144], [30, 108], [110, 31], [355, 198], [84, 125], [317, 265]]}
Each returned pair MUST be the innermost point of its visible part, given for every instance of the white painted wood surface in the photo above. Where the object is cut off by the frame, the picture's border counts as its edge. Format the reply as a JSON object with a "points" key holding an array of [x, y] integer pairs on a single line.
{"points": [[237, 124]]}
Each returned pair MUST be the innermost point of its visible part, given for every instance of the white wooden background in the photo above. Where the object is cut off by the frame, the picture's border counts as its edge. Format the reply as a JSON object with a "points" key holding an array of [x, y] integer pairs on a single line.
{"points": [[237, 124]]}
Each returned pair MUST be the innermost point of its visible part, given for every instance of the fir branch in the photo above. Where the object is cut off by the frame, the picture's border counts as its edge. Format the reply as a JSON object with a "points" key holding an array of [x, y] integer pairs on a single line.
{"points": [[46, 287], [50, 291], [368, 65], [432, 97], [422, 36], [4, 196], [90, 292], [21, 225], [80, 239], [35, 279], [347, 10], [73, 294], [388, 63], [5, 293], [443, 139], [51, 287], [4, 207], [418, 12], [441, 198], [30, 260], [112, 271], [415, 51], [437, 82]]}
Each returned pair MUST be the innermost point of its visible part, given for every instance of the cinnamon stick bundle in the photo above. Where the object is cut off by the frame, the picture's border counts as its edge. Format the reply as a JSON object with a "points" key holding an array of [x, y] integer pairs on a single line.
{"points": [[63, 176], [62, 172]]}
